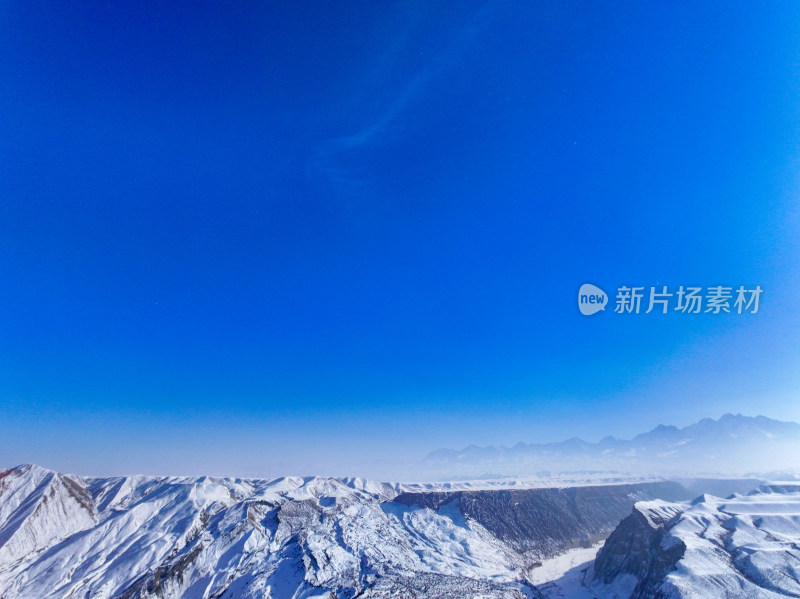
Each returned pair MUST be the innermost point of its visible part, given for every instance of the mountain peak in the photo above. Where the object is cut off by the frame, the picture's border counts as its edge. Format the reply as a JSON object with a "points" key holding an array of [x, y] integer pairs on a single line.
{"points": [[664, 428], [31, 467], [26, 470], [728, 417]]}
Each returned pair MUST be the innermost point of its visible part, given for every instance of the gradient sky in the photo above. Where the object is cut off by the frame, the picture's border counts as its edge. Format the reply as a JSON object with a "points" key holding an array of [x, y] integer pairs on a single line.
{"points": [[289, 238]]}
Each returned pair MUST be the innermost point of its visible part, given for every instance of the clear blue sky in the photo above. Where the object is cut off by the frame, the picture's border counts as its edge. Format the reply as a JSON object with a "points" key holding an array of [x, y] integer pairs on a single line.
{"points": [[282, 237]]}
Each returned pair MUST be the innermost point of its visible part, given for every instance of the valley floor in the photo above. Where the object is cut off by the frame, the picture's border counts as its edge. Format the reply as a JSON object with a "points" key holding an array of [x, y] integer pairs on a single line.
{"points": [[562, 576]]}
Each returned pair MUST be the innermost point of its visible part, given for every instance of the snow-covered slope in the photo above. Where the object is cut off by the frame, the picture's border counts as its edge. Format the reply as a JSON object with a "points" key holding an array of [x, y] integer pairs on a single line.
{"points": [[744, 547], [178, 537], [38, 509], [734, 445]]}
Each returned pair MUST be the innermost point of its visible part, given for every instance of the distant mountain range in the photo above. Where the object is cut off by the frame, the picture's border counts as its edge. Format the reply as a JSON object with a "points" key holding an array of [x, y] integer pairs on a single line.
{"points": [[733, 445]]}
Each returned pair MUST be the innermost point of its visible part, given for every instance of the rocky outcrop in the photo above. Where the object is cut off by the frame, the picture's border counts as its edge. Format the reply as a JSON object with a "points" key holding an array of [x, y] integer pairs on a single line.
{"points": [[740, 547], [427, 586], [636, 554], [545, 522]]}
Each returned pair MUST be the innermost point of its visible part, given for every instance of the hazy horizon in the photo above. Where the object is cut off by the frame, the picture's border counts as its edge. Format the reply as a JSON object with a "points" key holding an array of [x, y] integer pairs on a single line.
{"points": [[410, 467]]}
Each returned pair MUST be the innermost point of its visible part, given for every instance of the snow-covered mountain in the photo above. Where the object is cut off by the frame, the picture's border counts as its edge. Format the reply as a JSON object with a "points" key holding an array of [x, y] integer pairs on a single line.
{"points": [[742, 547], [176, 537], [734, 445]]}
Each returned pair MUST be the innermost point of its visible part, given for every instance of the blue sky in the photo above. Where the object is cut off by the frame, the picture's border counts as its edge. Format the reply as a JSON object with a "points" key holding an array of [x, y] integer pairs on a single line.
{"points": [[280, 238]]}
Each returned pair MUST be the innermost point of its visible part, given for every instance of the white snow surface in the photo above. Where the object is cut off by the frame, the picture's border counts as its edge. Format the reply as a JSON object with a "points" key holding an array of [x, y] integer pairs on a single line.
{"points": [[742, 547], [562, 576], [64, 536], [548, 480], [201, 537]]}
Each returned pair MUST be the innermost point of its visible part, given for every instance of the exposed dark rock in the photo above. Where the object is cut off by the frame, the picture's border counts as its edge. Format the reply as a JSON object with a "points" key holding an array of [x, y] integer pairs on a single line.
{"points": [[544, 522], [635, 548], [428, 586]]}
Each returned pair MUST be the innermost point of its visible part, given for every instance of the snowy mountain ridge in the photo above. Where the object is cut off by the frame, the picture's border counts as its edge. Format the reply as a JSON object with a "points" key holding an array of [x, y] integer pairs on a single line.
{"points": [[733, 445], [744, 546], [64, 536]]}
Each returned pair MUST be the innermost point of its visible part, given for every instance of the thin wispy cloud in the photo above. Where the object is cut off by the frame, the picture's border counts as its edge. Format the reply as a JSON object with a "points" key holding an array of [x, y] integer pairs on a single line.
{"points": [[335, 161]]}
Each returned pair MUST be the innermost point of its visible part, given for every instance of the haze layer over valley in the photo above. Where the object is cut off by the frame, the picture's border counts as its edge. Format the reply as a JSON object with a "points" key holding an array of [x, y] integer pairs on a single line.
{"points": [[733, 445]]}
